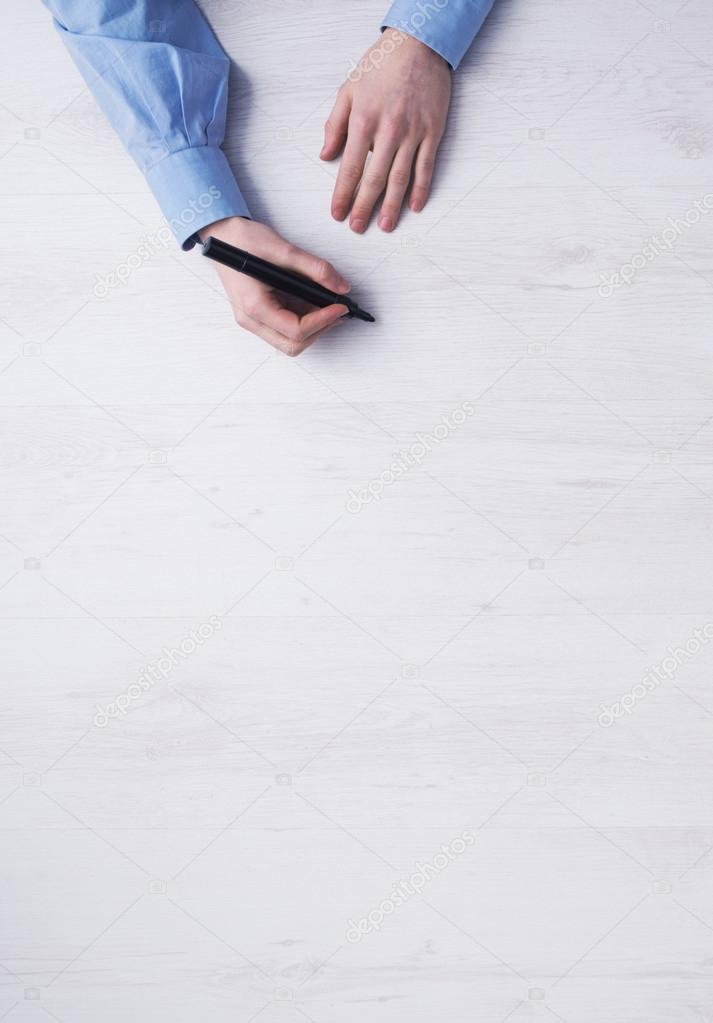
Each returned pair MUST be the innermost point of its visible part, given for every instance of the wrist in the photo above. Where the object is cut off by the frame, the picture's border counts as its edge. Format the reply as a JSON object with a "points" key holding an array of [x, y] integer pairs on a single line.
{"points": [[398, 37], [223, 228]]}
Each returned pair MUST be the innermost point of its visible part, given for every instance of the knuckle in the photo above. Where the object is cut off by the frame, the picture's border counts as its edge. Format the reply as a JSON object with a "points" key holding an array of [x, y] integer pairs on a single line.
{"points": [[350, 172], [322, 270], [431, 126], [294, 336], [361, 121], [399, 178], [374, 180], [392, 127]]}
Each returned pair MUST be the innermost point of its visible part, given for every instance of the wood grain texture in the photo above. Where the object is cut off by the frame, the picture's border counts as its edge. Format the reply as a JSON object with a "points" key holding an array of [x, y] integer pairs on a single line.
{"points": [[328, 669]]}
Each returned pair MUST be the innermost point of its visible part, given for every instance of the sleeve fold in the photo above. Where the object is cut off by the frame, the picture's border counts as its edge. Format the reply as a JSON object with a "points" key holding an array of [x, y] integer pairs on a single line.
{"points": [[161, 78], [446, 26]]}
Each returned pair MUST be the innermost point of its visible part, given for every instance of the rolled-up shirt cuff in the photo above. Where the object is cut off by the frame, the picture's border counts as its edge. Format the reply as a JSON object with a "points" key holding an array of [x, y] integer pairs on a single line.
{"points": [[195, 187], [446, 26]]}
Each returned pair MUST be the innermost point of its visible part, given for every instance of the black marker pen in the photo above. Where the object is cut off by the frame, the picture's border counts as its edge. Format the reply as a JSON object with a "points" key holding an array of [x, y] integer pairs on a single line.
{"points": [[279, 278]]}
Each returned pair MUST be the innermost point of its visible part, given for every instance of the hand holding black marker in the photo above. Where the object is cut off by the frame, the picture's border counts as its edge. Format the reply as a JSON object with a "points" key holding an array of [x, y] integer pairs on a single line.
{"points": [[278, 277]]}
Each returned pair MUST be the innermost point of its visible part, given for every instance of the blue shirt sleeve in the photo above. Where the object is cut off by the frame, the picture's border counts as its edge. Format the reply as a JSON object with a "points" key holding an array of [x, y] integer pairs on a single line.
{"points": [[161, 78], [447, 26]]}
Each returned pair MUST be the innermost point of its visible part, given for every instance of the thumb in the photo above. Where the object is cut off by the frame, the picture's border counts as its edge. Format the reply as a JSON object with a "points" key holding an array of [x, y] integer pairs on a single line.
{"points": [[317, 269], [336, 128]]}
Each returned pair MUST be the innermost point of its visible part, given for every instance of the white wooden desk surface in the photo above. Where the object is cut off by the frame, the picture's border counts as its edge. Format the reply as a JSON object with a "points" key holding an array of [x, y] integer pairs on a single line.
{"points": [[381, 679]]}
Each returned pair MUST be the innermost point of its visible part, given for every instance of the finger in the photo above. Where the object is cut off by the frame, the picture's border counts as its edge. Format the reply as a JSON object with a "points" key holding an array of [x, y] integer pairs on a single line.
{"points": [[320, 320], [297, 340], [423, 174], [315, 268], [399, 177], [299, 347], [335, 130], [298, 329], [350, 169], [279, 341], [372, 185]]}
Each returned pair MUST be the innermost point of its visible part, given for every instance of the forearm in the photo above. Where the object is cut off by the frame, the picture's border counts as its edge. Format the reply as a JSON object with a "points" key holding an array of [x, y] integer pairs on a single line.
{"points": [[446, 26], [161, 78]]}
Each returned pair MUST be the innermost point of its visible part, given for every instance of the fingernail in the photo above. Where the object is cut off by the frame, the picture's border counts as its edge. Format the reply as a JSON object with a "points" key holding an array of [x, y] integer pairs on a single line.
{"points": [[339, 213], [358, 225], [386, 224], [416, 205], [344, 285]]}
